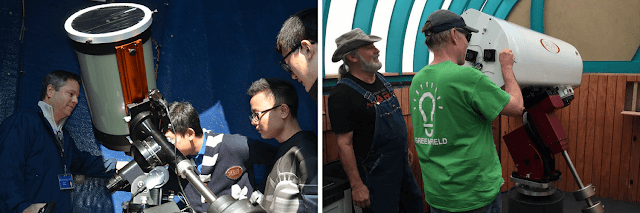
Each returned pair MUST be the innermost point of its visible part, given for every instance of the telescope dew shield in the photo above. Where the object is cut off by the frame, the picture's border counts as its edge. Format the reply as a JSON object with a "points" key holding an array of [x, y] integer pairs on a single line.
{"points": [[541, 60], [112, 43]]}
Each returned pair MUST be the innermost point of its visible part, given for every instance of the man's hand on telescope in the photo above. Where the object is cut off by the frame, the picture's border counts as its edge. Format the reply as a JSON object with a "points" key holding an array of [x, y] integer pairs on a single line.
{"points": [[121, 164], [506, 60], [34, 208], [515, 107]]}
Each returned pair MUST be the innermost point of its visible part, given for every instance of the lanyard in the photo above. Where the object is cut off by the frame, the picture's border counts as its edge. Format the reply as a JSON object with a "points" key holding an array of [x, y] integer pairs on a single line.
{"points": [[59, 141]]}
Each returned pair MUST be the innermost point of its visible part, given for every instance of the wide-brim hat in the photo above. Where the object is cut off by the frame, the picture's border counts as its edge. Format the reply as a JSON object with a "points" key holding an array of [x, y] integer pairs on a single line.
{"points": [[442, 20], [351, 41]]}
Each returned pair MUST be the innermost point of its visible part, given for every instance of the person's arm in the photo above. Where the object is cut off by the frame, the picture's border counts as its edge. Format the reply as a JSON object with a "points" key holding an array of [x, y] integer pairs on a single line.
{"points": [[359, 191], [121, 164], [15, 141], [87, 164], [34, 208], [515, 107]]}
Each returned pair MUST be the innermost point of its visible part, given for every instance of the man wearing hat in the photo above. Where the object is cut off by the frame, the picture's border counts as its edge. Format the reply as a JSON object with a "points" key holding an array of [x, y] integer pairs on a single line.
{"points": [[452, 117], [370, 129]]}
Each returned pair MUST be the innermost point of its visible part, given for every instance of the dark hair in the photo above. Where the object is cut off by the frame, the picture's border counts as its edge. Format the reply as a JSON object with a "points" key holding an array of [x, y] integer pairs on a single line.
{"points": [[282, 91], [57, 79], [184, 116], [300, 26]]}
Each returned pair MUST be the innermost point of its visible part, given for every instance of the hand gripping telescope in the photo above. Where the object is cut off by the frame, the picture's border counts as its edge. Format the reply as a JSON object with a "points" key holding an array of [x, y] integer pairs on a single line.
{"points": [[547, 69], [151, 150]]}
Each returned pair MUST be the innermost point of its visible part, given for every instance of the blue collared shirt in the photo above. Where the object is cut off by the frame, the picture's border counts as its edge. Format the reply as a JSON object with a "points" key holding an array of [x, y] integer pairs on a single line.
{"points": [[198, 158]]}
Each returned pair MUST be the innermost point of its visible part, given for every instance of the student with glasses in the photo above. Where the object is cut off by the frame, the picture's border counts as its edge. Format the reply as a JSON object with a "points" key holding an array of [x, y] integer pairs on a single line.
{"points": [[452, 107], [297, 42], [224, 162], [292, 184]]}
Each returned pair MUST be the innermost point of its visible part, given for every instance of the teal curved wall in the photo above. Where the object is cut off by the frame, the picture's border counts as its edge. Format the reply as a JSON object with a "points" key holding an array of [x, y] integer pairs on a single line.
{"points": [[394, 46]]}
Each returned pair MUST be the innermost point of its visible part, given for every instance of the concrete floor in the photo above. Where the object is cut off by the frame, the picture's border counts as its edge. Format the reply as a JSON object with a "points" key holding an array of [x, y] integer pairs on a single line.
{"points": [[570, 205]]}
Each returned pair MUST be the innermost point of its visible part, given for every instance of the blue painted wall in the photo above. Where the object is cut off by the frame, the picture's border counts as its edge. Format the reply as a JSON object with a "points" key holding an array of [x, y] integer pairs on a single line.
{"points": [[210, 53]]}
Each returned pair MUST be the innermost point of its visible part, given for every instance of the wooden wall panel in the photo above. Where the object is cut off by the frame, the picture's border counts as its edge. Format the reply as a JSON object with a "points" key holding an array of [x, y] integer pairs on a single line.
{"points": [[589, 139], [326, 123], [633, 157], [614, 185], [625, 160], [572, 132], [603, 144], [598, 131], [635, 160], [330, 148], [605, 173], [579, 159]]}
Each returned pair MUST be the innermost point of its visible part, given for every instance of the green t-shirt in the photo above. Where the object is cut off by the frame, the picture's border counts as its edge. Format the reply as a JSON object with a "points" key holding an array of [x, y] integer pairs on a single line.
{"points": [[452, 108]]}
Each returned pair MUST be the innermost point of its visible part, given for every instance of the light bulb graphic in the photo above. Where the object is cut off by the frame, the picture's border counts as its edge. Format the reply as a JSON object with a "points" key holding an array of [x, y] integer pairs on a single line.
{"points": [[431, 102], [424, 115]]}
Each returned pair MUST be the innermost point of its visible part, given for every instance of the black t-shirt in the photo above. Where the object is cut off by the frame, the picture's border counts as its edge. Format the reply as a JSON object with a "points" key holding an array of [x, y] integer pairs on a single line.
{"points": [[313, 92], [349, 111], [296, 164]]}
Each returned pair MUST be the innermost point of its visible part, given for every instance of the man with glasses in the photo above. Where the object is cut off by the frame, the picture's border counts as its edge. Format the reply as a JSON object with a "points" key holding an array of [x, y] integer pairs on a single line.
{"points": [[370, 129], [224, 162], [452, 108], [292, 184], [297, 42]]}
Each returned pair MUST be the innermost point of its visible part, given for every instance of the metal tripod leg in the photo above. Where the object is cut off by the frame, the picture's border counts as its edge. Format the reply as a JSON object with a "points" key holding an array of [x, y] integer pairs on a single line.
{"points": [[584, 193]]}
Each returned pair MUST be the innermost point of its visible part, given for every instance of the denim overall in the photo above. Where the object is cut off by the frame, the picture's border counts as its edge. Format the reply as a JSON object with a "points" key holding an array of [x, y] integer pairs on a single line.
{"points": [[386, 170]]}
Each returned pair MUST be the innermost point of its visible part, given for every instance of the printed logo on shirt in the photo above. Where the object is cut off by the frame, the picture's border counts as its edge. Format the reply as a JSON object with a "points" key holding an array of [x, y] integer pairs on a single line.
{"points": [[427, 105], [381, 96], [430, 141], [234, 172]]}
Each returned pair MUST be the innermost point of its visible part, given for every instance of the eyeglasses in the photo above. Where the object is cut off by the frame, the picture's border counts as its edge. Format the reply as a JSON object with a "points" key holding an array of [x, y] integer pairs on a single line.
{"points": [[284, 64], [256, 116], [467, 34]]}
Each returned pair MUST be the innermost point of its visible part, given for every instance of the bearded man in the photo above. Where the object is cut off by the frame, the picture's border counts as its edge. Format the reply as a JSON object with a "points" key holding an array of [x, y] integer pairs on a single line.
{"points": [[371, 132]]}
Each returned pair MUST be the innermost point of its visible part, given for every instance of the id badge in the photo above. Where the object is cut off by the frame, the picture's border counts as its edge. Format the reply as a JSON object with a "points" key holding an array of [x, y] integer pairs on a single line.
{"points": [[65, 181]]}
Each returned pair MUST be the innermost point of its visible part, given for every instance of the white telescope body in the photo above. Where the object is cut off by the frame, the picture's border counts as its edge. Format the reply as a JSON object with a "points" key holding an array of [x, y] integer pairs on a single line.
{"points": [[94, 33], [540, 60]]}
